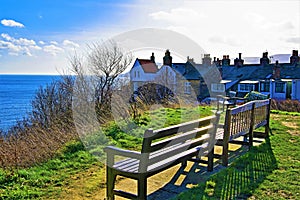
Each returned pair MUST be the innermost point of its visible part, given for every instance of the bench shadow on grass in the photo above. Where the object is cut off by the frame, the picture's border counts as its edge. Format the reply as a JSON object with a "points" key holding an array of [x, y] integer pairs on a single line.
{"points": [[247, 171]]}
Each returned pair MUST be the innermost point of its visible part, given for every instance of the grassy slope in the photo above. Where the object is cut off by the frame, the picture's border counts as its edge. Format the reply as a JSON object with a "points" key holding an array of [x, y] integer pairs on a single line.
{"points": [[269, 171], [75, 173], [47, 179]]}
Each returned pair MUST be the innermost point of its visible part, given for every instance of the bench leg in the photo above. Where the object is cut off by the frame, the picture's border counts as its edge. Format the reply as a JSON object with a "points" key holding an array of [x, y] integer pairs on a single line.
{"points": [[210, 156], [225, 154], [142, 188], [111, 177], [267, 130], [184, 164]]}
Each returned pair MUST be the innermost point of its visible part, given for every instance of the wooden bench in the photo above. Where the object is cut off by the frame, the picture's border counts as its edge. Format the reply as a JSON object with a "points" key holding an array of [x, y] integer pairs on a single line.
{"points": [[242, 121], [161, 149]]}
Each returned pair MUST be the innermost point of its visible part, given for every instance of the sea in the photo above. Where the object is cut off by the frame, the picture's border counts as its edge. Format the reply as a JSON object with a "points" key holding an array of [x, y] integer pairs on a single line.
{"points": [[16, 95]]}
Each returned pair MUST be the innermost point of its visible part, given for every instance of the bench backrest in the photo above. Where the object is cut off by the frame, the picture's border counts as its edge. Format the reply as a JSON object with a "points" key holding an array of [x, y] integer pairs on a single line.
{"points": [[240, 119], [163, 144]]}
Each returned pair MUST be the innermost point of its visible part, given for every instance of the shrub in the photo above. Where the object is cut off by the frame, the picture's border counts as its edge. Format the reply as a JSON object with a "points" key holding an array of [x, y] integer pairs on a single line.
{"points": [[286, 105], [48, 127]]}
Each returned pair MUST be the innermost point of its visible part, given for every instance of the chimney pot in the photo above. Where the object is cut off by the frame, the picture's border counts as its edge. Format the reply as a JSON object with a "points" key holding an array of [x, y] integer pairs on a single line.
{"points": [[152, 58]]}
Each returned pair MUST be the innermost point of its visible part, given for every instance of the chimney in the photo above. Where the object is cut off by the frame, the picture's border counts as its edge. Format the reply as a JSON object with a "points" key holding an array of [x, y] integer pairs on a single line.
{"points": [[152, 58], [238, 62], [206, 60], [276, 70], [294, 59], [264, 61], [188, 59], [167, 59], [226, 60]]}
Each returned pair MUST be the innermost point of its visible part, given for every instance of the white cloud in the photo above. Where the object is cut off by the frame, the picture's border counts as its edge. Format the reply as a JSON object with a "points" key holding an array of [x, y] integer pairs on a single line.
{"points": [[18, 46], [25, 42], [41, 42], [6, 37], [52, 49], [11, 23], [178, 15], [10, 46], [70, 44], [231, 27], [54, 42], [20, 41]]}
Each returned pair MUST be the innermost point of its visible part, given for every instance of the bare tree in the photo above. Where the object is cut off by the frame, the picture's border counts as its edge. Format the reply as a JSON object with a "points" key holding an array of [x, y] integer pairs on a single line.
{"points": [[98, 72]]}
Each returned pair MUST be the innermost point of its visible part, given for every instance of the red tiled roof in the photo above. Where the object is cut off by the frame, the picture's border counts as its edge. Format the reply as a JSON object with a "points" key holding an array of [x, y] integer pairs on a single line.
{"points": [[148, 66]]}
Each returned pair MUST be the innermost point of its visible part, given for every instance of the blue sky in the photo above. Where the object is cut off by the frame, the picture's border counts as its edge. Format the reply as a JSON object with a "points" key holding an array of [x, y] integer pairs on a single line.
{"points": [[38, 36]]}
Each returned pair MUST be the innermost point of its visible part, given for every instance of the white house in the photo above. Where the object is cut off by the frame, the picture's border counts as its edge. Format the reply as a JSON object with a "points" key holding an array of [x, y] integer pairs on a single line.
{"points": [[143, 71]]}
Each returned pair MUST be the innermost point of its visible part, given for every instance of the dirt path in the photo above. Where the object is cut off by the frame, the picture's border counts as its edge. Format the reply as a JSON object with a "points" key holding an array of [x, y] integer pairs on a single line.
{"points": [[165, 185]]}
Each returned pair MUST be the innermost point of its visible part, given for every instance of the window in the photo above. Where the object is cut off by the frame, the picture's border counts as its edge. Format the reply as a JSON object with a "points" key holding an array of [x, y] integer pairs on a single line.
{"points": [[134, 74], [187, 88], [138, 74], [265, 86], [246, 87], [218, 87], [279, 87]]}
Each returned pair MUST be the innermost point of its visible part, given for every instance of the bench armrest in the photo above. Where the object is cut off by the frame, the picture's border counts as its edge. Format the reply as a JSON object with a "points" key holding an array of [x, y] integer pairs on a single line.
{"points": [[112, 151]]}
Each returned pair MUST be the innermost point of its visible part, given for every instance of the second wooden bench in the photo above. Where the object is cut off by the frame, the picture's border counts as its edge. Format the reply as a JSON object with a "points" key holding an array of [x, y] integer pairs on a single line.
{"points": [[242, 121]]}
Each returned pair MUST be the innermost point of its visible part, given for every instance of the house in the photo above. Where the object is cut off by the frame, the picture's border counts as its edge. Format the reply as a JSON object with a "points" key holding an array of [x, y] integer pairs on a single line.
{"points": [[187, 79], [217, 77], [279, 80], [143, 71]]}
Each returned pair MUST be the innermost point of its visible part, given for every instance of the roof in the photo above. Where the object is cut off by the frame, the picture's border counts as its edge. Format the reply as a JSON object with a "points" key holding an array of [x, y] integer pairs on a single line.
{"points": [[193, 71], [259, 72], [148, 66]]}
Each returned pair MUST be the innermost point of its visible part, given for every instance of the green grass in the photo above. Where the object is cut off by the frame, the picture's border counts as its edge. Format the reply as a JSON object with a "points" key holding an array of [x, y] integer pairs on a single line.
{"points": [[50, 179], [285, 113], [267, 171], [46, 179]]}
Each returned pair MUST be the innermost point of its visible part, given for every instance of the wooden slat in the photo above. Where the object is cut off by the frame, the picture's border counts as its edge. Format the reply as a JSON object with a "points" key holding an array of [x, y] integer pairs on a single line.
{"points": [[125, 194], [260, 103], [177, 150], [128, 165], [180, 138], [172, 159], [164, 132], [262, 123], [111, 150], [242, 108]]}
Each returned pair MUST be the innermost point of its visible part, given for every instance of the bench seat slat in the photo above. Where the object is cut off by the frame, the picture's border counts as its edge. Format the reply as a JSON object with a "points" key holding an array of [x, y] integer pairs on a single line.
{"points": [[176, 150], [127, 164], [166, 162]]}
